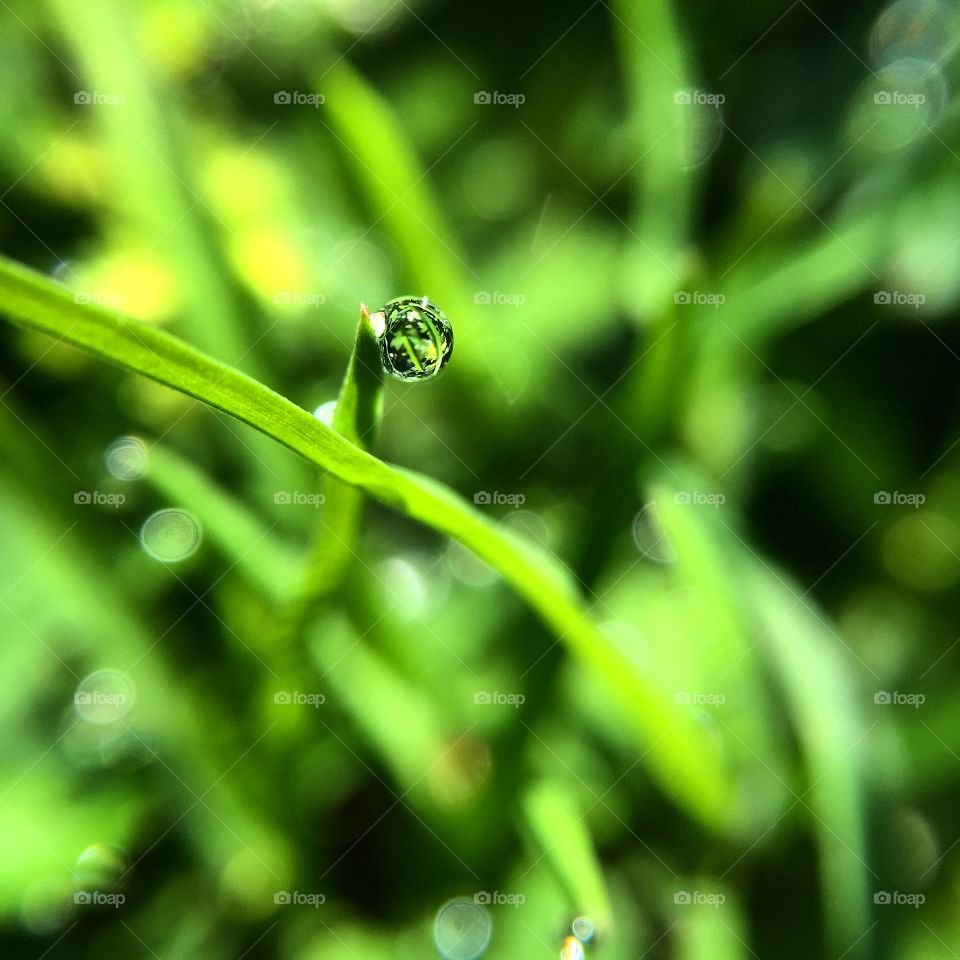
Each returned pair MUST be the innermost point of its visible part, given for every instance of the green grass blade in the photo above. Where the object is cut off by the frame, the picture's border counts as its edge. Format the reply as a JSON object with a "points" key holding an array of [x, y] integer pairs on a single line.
{"points": [[820, 696], [377, 145], [355, 417]]}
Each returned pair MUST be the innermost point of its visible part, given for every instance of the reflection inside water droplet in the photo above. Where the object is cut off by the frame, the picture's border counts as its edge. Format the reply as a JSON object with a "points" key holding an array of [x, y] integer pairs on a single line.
{"points": [[462, 929], [416, 340], [104, 697], [170, 535], [126, 458]]}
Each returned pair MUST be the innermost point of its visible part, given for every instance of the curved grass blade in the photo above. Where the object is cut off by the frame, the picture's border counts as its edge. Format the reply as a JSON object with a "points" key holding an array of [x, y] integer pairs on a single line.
{"points": [[679, 753]]}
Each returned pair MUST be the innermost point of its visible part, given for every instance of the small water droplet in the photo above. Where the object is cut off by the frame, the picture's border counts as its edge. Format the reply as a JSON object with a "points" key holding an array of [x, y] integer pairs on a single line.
{"points": [[468, 568], [170, 535], [100, 867], [324, 413], [532, 526], [104, 697], [650, 536], [462, 929], [126, 458], [918, 29], [60, 270], [582, 928], [416, 339]]}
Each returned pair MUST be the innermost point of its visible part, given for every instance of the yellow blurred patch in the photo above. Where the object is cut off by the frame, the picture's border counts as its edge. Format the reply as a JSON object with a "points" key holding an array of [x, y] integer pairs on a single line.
{"points": [[174, 37], [269, 261], [137, 283]]}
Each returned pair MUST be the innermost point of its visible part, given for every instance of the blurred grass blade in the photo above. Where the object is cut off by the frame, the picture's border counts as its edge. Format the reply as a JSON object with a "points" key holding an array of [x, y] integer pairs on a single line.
{"points": [[805, 656], [390, 172], [145, 144], [655, 67], [716, 928], [405, 729], [558, 825]]}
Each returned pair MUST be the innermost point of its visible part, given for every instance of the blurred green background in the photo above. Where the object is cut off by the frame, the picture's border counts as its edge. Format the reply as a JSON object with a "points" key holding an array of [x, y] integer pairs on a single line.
{"points": [[703, 264]]}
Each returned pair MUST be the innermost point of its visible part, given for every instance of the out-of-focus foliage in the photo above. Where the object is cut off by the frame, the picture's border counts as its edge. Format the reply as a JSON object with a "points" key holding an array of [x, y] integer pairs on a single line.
{"points": [[703, 268]]}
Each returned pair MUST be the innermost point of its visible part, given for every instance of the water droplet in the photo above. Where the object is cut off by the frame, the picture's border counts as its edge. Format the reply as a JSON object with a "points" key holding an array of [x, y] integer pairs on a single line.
{"points": [[324, 413], [100, 867], [572, 949], [126, 458], [700, 126], [416, 339], [170, 535], [60, 270], [468, 568], [104, 697], [462, 929], [910, 28], [532, 526], [651, 537], [582, 928]]}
